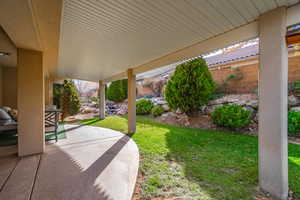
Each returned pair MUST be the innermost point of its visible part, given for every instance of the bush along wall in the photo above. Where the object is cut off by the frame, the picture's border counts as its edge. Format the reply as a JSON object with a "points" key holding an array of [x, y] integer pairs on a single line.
{"points": [[293, 122], [190, 87], [144, 106], [231, 116]]}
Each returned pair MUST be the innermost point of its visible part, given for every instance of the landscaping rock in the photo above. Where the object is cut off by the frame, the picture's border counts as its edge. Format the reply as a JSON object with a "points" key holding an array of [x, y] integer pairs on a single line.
{"points": [[178, 111], [166, 108], [293, 100], [175, 119], [295, 109]]}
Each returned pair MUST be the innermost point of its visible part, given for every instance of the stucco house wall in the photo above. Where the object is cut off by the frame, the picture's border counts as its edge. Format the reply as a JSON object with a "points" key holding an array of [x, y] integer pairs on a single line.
{"points": [[9, 87], [248, 69]]}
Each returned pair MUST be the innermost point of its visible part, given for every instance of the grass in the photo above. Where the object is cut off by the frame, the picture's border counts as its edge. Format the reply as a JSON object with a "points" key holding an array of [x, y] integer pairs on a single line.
{"points": [[197, 164]]}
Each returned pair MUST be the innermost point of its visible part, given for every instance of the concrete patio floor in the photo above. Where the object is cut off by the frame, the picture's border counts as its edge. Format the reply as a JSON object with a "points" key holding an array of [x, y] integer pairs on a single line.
{"points": [[92, 163]]}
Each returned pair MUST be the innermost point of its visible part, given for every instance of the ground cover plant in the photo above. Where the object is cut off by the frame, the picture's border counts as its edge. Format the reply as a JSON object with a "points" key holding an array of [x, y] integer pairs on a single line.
{"points": [[186, 163], [293, 122], [157, 111], [231, 116], [144, 106]]}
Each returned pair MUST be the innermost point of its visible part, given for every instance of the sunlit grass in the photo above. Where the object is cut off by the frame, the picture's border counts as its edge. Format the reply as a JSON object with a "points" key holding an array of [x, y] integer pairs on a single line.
{"points": [[198, 164]]}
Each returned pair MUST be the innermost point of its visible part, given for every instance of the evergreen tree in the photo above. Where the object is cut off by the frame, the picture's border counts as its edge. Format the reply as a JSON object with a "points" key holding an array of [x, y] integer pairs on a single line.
{"points": [[190, 87], [70, 99], [117, 91]]}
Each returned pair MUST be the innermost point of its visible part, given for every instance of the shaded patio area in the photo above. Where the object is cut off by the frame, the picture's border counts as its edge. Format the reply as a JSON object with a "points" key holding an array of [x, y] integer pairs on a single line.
{"points": [[92, 163]]}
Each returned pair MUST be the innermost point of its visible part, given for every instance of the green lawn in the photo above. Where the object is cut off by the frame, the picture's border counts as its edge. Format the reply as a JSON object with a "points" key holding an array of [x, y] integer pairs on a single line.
{"points": [[198, 164]]}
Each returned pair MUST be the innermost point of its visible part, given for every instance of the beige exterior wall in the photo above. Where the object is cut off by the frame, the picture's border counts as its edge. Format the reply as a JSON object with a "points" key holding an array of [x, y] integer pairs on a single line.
{"points": [[9, 87], [1, 96]]}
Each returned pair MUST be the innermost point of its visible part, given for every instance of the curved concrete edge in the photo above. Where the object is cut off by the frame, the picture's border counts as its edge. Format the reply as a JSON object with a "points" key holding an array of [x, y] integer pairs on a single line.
{"points": [[92, 163]]}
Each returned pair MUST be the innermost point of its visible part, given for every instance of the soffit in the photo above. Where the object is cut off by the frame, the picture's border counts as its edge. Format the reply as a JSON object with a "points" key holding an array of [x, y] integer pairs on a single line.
{"points": [[100, 39]]}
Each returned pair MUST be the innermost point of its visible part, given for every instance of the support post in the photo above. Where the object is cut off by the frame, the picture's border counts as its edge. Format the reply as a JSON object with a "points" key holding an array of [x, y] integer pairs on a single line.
{"points": [[273, 80], [131, 101], [31, 102], [101, 100]]}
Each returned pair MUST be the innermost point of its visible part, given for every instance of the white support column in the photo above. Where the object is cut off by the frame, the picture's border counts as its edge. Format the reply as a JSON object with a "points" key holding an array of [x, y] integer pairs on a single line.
{"points": [[101, 100], [273, 79], [131, 101], [31, 102]]}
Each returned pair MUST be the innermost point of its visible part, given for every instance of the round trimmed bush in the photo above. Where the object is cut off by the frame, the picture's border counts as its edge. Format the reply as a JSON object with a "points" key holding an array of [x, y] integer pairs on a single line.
{"points": [[190, 87], [117, 90], [157, 111], [144, 106], [231, 116], [293, 122]]}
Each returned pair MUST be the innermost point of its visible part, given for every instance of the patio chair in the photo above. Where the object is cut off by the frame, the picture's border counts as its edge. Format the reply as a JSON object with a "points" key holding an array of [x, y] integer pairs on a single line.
{"points": [[51, 122], [6, 122]]}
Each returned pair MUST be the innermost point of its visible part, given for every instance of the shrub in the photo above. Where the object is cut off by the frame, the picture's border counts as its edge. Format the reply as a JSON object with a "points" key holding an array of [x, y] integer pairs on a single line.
{"points": [[190, 87], [144, 107], [231, 116], [117, 91], [70, 96], [293, 122], [57, 94], [295, 87], [157, 111], [94, 99]]}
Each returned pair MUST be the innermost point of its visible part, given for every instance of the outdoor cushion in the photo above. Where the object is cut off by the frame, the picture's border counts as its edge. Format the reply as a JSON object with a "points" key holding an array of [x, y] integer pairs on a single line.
{"points": [[6, 108], [4, 115], [8, 127]]}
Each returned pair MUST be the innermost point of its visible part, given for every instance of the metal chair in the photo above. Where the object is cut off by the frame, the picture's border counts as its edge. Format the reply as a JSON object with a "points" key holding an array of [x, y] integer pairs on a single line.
{"points": [[51, 122]]}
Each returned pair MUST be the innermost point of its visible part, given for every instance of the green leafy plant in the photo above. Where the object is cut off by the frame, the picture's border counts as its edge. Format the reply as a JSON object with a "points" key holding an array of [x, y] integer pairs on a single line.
{"points": [[216, 96], [190, 87], [144, 106], [57, 94], [293, 122], [94, 99], [231, 116], [117, 91], [297, 87], [157, 111], [70, 96]]}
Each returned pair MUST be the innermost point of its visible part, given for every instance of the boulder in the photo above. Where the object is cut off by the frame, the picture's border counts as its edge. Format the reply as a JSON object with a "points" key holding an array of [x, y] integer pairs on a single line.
{"points": [[178, 111], [295, 109], [183, 120], [166, 107], [293, 100], [94, 105]]}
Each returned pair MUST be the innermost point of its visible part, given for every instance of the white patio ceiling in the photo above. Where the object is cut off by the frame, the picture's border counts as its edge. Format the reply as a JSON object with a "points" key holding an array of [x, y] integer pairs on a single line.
{"points": [[100, 39]]}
